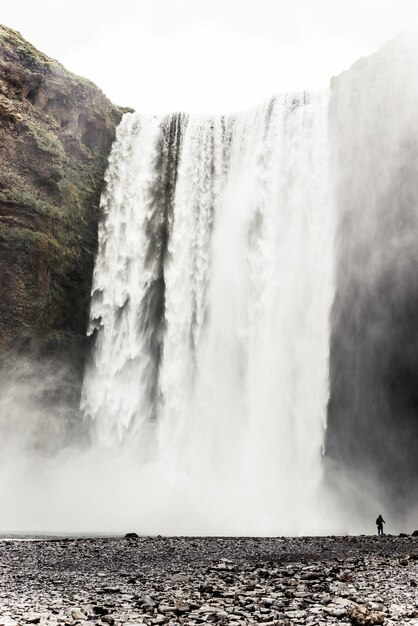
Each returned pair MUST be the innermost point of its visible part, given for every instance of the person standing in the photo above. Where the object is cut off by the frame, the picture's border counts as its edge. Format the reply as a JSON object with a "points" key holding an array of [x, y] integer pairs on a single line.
{"points": [[379, 523]]}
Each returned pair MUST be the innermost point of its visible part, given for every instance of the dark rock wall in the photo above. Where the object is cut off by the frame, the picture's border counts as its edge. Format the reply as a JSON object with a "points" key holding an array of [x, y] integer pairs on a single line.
{"points": [[56, 130], [373, 409]]}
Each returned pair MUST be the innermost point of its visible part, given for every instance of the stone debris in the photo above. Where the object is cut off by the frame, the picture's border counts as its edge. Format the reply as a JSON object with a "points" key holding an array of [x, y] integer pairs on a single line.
{"points": [[361, 616], [221, 581]]}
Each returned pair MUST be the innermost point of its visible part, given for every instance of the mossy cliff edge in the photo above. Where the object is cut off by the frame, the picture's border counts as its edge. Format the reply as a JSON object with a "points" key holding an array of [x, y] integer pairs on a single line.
{"points": [[56, 130]]}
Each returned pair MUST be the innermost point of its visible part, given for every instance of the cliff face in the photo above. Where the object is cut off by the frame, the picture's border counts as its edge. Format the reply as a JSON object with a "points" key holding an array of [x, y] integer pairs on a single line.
{"points": [[372, 421], [56, 130]]}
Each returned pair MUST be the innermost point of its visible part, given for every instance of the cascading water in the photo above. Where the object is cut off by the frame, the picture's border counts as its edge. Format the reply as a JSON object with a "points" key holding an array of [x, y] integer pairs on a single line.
{"points": [[211, 297]]}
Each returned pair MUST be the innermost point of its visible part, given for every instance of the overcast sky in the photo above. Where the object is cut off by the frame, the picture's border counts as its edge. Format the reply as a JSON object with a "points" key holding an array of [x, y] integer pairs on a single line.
{"points": [[206, 55]]}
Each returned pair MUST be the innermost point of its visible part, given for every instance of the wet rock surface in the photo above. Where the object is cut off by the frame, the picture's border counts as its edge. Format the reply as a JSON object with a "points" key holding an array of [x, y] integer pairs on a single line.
{"points": [[235, 581]]}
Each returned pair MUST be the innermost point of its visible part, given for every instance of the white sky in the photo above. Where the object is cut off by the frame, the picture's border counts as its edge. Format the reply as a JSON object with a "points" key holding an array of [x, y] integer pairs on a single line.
{"points": [[206, 55]]}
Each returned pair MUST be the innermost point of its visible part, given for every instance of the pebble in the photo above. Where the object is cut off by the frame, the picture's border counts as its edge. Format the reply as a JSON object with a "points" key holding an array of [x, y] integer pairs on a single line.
{"points": [[202, 581]]}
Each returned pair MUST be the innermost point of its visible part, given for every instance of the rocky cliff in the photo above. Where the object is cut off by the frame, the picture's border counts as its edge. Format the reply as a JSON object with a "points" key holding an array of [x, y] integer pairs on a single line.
{"points": [[372, 421], [56, 130]]}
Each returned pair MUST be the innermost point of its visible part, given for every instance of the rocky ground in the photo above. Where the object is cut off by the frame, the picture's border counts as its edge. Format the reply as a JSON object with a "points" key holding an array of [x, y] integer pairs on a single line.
{"points": [[234, 581]]}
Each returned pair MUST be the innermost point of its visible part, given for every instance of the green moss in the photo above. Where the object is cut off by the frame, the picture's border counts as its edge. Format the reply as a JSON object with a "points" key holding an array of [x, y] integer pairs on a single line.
{"points": [[23, 198], [46, 141], [85, 82], [26, 240], [30, 54]]}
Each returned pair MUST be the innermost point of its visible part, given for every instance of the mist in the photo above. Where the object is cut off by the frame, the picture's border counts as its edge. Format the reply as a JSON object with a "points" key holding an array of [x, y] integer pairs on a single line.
{"points": [[59, 479], [56, 479]]}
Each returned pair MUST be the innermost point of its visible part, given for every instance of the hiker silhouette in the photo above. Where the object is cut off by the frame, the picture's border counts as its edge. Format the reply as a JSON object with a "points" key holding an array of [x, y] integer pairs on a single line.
{"points": [[379, 523]]}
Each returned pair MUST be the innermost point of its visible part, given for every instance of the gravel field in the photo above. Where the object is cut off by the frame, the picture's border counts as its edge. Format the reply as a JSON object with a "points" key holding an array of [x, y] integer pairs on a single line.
{"points": [[198, 580]]}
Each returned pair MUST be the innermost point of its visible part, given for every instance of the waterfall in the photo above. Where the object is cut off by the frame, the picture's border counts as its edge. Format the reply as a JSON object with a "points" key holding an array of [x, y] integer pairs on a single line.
{"points": [[210, 310]]}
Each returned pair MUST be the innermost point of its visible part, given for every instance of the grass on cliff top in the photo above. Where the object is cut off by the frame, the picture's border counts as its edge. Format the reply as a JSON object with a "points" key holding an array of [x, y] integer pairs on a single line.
{"points": [[14, 40]]}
